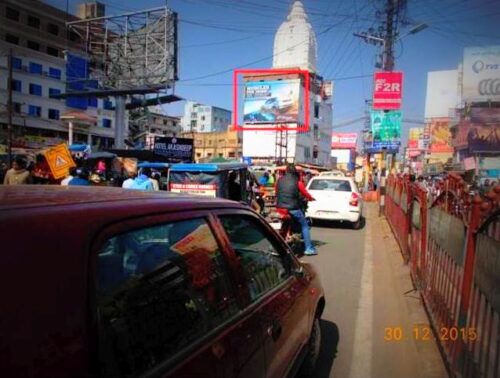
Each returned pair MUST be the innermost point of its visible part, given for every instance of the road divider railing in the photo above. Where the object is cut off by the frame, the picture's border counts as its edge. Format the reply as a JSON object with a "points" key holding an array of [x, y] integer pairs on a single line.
{"points": [[451, 242]]}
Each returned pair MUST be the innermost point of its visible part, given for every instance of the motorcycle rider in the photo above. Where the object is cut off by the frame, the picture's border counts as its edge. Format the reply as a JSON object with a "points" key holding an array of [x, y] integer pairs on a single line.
{"points": [[288, 192]]}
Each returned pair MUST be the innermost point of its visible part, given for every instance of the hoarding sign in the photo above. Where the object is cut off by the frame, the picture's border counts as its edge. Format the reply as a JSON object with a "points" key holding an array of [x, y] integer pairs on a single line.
{"points": [[477, 137], [415, 137], [174, 148], [206, 190], [272, 102], [485, 116], [344, 140], [481, 74], [440, 135], [387, 92], [386, 129]]}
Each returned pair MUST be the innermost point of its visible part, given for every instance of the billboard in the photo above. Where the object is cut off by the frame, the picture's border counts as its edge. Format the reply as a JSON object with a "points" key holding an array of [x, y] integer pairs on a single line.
{"points": [[440, 135], [341, 156], [344, 140], [387, 92], [481, 74], [174, 148], [416, 138], [442, 93], [386, 129], [271, 102]]}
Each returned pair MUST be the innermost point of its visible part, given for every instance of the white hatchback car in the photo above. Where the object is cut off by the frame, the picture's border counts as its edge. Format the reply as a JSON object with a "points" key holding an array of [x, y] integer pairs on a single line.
{"points": [[336, 198]]}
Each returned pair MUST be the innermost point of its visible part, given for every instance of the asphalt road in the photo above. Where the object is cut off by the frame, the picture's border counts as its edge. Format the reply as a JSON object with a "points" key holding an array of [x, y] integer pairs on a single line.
{"points": [[369, 293]]}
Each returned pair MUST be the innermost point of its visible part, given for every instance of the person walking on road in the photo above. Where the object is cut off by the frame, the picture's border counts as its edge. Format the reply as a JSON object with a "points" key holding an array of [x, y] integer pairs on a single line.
{"points": [[18, 174], [288, 191]]}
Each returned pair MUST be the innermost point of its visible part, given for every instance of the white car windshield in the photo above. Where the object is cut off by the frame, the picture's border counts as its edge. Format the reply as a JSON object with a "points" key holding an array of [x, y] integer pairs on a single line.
{"points": [[330, 184]]}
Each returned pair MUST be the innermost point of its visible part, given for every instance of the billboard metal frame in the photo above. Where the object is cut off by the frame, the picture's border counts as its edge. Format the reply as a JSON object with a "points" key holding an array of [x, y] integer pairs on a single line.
{"points": [[273, 72], [132, 50]]}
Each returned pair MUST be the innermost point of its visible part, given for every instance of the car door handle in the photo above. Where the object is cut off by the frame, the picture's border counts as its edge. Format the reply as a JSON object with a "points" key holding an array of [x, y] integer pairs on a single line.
{"points": [[274, 330]]}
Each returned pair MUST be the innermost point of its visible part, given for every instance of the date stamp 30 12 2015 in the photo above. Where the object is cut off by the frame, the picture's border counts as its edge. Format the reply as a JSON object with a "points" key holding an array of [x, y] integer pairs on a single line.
{"points": [[424, 333]]}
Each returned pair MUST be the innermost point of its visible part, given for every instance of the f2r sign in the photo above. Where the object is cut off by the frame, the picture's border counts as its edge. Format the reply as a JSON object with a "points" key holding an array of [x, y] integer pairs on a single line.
{"points": [[387, 91]]}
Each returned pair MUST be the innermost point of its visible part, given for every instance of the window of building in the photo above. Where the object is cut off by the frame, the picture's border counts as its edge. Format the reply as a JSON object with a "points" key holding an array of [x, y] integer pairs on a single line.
{"points": [[159, 294], [35, 68], [221, 154], [12, 14], [194, 114], [73, 36], [203, 118], [53, 114], [34, 22], [107, 104], [262, 264], [53, 51], [35, 89], [209, 155], [106, 123], [92, 102], [316, 110], [12, 39], [54, 92], [33, 45], [34, 111], [231, 154], [193, 124], [16, 107], [16, 85], [55, 73], [165, 122], [17, 63], [53, 29]]}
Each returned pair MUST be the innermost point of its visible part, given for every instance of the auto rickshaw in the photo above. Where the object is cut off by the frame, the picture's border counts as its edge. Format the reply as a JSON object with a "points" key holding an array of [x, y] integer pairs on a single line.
{"points": [[221, 180]]}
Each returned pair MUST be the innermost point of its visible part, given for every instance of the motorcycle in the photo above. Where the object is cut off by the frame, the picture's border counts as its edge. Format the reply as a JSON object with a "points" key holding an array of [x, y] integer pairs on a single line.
{"points": [[291, 230]]}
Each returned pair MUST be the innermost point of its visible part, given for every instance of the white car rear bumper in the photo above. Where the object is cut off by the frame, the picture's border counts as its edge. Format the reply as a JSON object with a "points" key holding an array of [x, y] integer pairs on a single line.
{"points": [[346, 215]]}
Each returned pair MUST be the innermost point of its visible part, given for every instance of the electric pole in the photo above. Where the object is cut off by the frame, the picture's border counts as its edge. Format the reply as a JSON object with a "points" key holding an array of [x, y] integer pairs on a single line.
{"points": [[9, 109]]}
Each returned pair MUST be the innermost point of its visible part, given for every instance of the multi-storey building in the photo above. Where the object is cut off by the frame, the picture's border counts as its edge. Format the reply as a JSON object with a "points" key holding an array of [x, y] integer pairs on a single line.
{"points": [[204, 118], [35, 35], [223, 144]]}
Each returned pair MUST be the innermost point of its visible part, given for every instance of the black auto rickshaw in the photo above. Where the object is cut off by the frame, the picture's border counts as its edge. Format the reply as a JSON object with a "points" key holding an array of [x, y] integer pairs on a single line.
{"points": [[221, 180]]}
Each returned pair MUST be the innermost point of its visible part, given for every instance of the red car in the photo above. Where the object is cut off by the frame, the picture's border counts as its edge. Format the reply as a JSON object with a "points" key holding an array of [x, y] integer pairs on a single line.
{"points": [[105, 282]]}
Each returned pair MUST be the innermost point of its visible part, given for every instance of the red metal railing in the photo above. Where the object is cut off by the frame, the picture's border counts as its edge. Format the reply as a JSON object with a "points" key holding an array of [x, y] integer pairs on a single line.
{"points": [[454, 257]]}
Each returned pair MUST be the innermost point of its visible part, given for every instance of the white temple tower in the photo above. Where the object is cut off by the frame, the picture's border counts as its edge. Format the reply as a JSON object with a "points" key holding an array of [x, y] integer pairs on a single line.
{"points": [[295, 41]]}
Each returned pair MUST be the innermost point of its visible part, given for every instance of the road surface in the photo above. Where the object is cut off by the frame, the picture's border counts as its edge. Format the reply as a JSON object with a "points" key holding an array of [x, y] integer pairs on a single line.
{"points": [[369, 294]]}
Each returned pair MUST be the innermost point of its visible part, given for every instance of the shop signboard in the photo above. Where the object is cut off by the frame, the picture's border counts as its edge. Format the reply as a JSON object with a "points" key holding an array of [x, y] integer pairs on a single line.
{"points": [[481, 74], [344, 140], [440, 135], [272, 102], [415, 138], [174, 148], [206, 190], [386, 129], [388, 89]]}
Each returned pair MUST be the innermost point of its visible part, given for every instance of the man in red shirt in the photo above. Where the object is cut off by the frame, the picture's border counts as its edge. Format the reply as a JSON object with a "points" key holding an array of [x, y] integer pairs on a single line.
{"points": [[288, 192]]}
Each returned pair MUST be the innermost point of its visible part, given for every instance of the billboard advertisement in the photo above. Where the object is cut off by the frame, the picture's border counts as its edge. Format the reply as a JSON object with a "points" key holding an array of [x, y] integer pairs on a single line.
{"points": [[416, 138], [440, 135], [481, 74], [386, 129], [174, 148], [342, 156], [344, 140], [271, 102], [387, 91]]}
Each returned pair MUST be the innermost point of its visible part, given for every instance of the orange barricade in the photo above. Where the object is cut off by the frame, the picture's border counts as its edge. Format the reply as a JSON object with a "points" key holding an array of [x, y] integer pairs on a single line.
{"points": [[454, 257]]}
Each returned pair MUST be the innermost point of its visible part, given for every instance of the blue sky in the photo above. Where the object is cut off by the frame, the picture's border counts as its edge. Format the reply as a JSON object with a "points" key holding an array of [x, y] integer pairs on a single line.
{"points": [[218, 35]]}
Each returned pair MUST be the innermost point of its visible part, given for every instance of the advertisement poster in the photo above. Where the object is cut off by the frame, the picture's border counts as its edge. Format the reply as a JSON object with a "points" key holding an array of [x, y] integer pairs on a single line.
{"points": [[207, 190], [416, 138], [271, 102], [344, 140], [440, 135], [481, 74], [477, 137], [386, 129], [387, 91], [174, 148]]}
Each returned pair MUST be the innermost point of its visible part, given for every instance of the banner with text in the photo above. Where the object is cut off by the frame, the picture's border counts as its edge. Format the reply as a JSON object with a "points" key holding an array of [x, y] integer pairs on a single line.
{"points": [[174, 148], [387, 91], [386, 129], [344, 140]]}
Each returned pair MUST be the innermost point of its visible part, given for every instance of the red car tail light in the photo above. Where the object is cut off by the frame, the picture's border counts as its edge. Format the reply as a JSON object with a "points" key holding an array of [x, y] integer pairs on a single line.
{"points": [[354, 199]]}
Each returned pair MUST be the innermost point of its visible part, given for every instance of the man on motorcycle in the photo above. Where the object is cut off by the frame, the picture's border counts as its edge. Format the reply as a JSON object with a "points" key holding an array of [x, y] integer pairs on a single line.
{"points": [[288, 193]]}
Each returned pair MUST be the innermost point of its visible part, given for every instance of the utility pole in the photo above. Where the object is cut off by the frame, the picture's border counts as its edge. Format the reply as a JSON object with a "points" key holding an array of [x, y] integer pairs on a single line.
{"points": [[9, 109]]}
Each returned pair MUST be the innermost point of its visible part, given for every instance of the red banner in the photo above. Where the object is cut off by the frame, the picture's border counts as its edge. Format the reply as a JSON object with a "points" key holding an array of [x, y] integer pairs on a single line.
{"points": [[387, 91]]}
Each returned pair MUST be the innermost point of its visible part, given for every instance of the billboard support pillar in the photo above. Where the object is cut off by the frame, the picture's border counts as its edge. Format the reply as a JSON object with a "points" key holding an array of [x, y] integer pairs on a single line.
{"points": [[120, 126]]}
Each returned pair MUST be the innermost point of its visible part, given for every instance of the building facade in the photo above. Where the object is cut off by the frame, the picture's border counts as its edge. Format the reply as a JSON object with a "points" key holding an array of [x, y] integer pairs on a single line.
{"points": [[222, 144], [204, 118], [312, 146], [35, 34]]}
